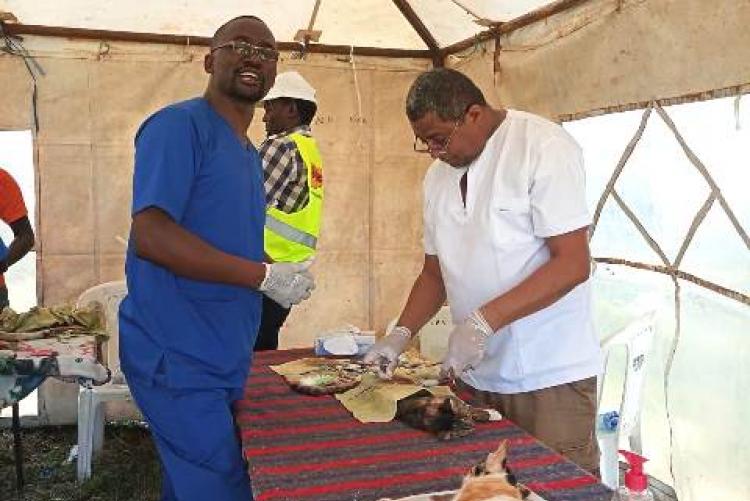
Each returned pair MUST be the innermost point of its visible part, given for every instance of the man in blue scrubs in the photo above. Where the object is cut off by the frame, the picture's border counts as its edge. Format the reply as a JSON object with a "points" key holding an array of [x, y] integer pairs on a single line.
{"points": [[195, 268]]}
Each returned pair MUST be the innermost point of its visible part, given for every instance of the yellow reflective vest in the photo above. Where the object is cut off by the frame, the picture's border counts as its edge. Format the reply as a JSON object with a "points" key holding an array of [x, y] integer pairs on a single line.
{"points": [[293, 236]]}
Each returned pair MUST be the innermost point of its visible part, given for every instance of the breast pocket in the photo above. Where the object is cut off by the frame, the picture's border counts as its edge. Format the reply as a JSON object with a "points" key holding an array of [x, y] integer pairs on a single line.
{"points": [[511, 220]]}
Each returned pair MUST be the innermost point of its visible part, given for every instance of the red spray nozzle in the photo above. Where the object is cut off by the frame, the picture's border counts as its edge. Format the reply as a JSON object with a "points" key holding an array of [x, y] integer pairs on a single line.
{"points": [[635, 479]]}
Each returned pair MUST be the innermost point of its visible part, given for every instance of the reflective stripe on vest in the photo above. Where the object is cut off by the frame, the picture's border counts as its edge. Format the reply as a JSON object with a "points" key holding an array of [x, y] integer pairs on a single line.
{"points": [[293, 236], [290, 232]]}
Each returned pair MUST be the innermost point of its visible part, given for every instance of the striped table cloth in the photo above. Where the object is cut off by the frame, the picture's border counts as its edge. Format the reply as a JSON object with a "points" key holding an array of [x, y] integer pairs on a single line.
{"points": [[304, 448]]}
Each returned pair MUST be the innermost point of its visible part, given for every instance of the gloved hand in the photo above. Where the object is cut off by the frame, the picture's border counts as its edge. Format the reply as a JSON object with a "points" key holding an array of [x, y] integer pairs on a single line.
{"points": [[466, 346], [384, 354], [287, 283]]}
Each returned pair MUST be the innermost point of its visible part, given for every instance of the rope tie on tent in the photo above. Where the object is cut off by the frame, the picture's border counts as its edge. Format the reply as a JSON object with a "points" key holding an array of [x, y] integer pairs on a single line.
{"points": [[671, 268], [302, 51], [668, 371], [356, 82], [470, 51], [14, 47], [304, 36], [737, 112], [189, 56], [715, 191]]}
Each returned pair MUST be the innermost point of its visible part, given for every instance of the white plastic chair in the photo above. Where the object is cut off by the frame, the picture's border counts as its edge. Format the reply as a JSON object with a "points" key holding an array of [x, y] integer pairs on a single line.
{"points": [[91, 398], [636, 338]]}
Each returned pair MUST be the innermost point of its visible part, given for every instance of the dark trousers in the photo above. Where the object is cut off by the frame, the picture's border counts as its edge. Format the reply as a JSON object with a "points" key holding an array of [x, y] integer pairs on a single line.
{"points": [[271, 320], [3, 297]]}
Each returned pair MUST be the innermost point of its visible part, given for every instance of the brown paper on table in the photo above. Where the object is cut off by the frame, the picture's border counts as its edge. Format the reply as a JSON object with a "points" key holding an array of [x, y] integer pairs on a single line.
{"points": [[373, 400], [300, 366]]}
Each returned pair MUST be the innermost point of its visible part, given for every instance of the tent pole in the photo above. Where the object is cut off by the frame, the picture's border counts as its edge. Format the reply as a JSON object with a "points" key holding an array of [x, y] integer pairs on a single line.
{"points": [[438, 59], [159, 38]]}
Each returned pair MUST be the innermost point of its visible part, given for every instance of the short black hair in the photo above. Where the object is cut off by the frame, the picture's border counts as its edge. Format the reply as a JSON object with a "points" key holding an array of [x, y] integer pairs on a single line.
{"points": [[306, 110], [221, 29], [445, 92]]}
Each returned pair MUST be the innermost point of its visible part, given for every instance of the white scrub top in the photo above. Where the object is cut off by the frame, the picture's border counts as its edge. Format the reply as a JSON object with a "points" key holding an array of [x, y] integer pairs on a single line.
{"points": [[526, 185]]}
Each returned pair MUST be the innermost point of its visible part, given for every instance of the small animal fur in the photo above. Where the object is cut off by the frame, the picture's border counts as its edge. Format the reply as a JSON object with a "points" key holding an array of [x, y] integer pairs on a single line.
{"points": [[491, 480], [447, 417]]}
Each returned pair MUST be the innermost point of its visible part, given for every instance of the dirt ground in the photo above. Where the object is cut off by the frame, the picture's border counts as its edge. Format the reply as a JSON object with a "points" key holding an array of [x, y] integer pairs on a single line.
{"points": [[127, 469]]}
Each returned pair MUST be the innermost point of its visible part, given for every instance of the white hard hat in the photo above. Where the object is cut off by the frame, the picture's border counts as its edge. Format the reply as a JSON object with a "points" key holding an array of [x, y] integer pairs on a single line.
{"points": [[291, 84]]}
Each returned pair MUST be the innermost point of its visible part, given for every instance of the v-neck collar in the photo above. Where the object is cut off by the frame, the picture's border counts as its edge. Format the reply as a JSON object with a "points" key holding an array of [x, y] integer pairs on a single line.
{"points": [[466, 204], [243, 143]]}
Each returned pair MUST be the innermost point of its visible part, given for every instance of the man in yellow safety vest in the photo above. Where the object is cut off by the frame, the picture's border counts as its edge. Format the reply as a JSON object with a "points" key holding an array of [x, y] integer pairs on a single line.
{"points": [[293, 174]]}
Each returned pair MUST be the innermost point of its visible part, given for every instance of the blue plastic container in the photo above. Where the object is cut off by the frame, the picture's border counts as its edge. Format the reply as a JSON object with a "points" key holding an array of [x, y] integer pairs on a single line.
{"points": [[3, 250], [609, 420]]}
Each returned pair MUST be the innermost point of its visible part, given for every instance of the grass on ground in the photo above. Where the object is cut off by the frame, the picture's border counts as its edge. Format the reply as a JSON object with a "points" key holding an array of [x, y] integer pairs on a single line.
{"points": [[126, 470]]}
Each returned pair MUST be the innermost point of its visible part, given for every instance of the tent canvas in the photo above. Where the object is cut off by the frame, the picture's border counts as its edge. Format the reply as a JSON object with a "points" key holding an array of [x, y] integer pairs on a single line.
{"points": [[106, 68]]}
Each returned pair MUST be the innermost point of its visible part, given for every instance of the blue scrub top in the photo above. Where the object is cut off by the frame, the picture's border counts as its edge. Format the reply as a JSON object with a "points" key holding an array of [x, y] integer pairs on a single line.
{"points": [[190, 164]]}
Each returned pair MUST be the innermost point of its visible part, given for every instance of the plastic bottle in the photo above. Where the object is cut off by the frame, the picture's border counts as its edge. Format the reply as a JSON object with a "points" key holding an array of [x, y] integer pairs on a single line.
{"points": [[608, 421], [636, 482]]}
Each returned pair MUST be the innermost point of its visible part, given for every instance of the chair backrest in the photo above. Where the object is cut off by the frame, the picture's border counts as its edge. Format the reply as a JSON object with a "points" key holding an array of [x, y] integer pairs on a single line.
{"points": [[109, 295], [636, 338]]}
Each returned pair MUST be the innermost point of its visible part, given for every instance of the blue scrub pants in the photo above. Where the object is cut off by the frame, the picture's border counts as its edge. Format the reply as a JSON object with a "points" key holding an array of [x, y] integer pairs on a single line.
{"points": [[195, 435]]}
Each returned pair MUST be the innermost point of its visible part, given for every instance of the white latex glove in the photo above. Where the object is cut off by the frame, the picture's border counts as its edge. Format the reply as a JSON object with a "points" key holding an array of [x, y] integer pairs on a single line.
{"points": [[466, 346], [384, 353], [287, 283]]}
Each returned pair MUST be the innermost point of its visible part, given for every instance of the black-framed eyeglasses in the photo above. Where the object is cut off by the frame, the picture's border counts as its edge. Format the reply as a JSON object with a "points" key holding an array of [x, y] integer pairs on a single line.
{"points": [[245, 49], [434, 146]]}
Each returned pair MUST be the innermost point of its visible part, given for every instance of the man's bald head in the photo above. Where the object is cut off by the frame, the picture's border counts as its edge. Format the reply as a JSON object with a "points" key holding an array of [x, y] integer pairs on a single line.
{"points": [[220, 34]]}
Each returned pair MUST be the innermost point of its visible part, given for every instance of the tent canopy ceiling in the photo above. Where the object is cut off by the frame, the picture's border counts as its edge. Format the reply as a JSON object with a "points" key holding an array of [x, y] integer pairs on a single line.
{"points": [[361, 23]]}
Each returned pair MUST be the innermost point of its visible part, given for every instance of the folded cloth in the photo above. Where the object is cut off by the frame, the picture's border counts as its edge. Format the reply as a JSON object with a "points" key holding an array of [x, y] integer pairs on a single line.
{"points": [[28, 363], [90, 319], [64, 367], [21, 376]]}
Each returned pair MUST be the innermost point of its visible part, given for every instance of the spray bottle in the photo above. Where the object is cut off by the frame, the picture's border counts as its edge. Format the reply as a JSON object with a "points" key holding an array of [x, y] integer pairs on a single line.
{"points": [[636, 482]]}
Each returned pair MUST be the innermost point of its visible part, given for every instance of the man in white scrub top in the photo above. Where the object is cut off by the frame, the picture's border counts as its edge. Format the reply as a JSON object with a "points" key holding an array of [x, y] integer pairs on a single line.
{"points": [[506, 243]]}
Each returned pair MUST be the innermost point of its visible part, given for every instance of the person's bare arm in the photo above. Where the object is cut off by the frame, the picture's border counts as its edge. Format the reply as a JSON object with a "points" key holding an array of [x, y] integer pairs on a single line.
{"points": [[159, 239], [426, 297], [23, 242], [568, 266]]}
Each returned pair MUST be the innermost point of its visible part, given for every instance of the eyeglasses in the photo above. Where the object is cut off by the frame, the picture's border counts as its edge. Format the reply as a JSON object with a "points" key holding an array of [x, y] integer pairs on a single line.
{"points": [[433, 146], [244, 49]]}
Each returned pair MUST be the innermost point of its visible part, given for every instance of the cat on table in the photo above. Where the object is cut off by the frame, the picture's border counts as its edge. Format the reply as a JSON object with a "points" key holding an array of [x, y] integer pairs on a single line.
{"points": [[489, 480]]}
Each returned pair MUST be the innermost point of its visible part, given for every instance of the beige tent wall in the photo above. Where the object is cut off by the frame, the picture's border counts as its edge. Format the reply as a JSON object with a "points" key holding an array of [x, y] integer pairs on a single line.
{"points": [[608, 55], [90, 103], [478, 63], [602, 55]]}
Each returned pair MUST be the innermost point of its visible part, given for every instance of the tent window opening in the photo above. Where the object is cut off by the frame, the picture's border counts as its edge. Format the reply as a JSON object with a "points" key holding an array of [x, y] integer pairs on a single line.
{"points": [[17, 158], [668, 190]]}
